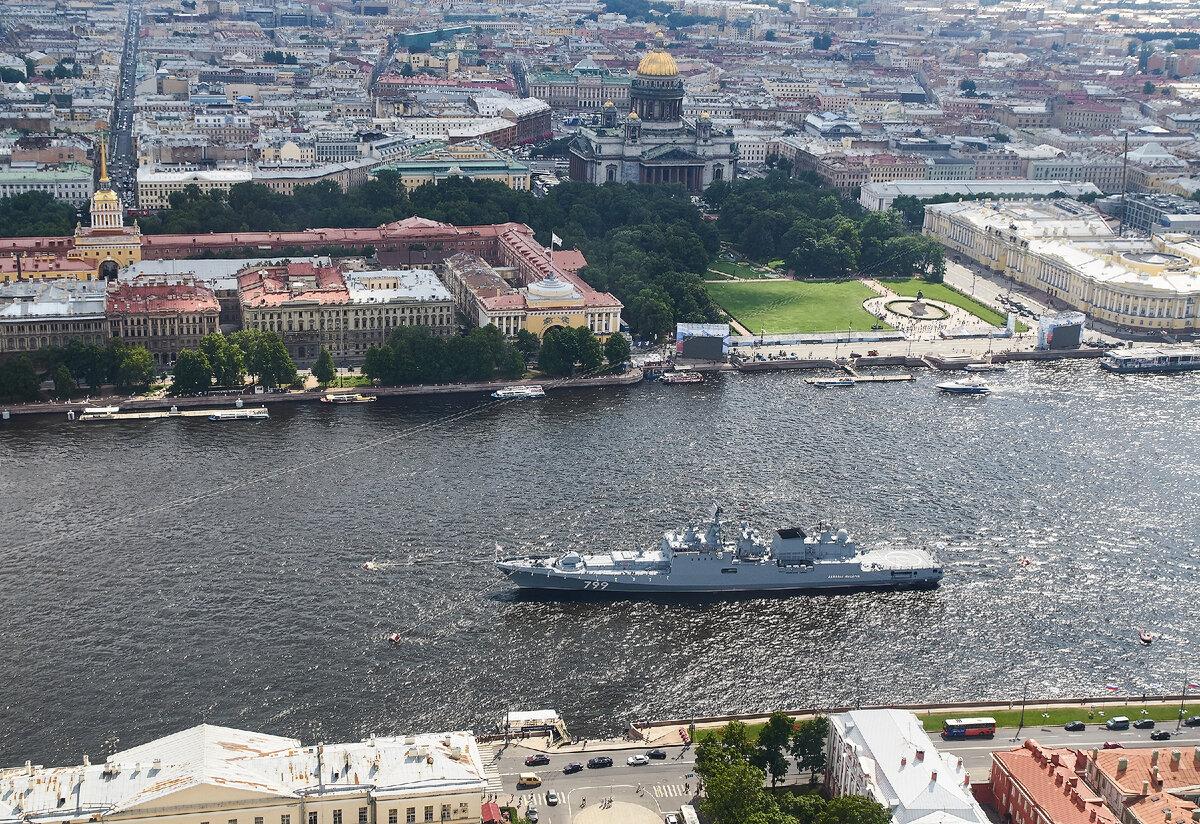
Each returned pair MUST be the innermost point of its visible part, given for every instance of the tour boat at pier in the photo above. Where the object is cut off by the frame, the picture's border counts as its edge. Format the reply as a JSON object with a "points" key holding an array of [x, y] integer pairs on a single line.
{"points": [[346, 397], [531, 391], [986, 365], [965, 386], [826, 383], [257, 414], [682, 376], [1152, 359]]}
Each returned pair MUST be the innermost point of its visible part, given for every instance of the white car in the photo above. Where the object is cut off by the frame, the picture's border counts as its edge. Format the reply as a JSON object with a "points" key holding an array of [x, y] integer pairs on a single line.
{"points": [[637, 761], [551, 798], [671, 818], [531, 815]]}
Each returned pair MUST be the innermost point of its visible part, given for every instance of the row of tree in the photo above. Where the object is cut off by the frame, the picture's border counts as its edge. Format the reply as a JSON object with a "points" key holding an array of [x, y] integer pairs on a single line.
{"points": [[75, 365], [818, 234], [734, 768], [414, 355], [36, 214], [225, 360]]}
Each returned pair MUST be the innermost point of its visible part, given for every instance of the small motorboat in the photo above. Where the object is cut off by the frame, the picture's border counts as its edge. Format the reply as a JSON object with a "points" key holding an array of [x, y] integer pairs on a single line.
{"points": [[1145, 637], [395, 638], [1024, 560], [965, 386], [371, 565]]}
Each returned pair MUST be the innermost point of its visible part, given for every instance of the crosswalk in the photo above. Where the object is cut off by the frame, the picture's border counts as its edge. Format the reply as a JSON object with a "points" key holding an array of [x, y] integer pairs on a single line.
{"points": [[671, 790]]}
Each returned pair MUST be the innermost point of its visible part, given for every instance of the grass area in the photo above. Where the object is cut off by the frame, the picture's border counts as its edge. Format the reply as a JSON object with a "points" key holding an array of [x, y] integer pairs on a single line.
{"points": [[1034, 716], [942, 292], [717, 276], [791, 306], [1057, 716], [349, 381], [736, 269], [776, 264]]}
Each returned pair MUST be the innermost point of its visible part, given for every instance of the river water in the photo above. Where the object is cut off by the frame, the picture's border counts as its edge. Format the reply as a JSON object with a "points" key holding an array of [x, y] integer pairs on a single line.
{"points": [[157, 574]]}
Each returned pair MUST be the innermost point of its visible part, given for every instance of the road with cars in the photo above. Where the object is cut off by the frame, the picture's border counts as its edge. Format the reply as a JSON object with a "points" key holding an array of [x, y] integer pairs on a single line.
{"points": [[659, 784], [977, 754], [122, 164]]}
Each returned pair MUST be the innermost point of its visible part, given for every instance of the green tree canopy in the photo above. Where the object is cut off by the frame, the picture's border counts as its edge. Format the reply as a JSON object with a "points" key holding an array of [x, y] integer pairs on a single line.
{"points": [[323, 370], [616, 349], [192, 373]]}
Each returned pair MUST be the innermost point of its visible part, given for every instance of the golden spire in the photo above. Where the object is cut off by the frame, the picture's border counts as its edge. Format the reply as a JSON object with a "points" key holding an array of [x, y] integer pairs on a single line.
{"points": [[103, 162]]}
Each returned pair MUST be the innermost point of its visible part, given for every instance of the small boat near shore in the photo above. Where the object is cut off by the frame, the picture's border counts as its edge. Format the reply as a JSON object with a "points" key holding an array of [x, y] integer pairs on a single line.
{"points": [[519, 392], [346, 397], [985, 366], [829, 383], [965, 386], [256, 414], [682, 376]]}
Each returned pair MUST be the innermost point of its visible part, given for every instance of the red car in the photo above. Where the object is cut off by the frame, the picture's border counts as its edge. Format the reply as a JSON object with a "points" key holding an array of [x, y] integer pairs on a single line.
{"points": [[537, 760], [1113, 745]]}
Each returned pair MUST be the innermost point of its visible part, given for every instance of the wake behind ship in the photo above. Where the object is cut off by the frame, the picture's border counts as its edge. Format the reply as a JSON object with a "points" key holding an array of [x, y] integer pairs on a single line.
{"points": [[701, 559]]}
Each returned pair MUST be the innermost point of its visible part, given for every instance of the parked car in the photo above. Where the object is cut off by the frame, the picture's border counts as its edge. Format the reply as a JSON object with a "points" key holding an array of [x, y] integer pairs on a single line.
{"points": [[573, 767], [671, 818], [1160, 735], [637, 761], [1144, 724], [657, 755], [599, 761], [1074, 726], [1192, 721], [537, 760], [551, 798], [1113, 745]]}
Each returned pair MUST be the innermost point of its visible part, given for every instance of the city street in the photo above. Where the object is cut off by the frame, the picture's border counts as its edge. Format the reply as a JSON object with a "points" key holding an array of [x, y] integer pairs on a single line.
{"points": [[977, 755], [660, 786]]}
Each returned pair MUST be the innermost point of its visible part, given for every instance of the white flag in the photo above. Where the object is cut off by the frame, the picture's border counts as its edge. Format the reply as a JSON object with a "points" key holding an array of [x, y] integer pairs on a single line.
{"points": [[555, 240]]}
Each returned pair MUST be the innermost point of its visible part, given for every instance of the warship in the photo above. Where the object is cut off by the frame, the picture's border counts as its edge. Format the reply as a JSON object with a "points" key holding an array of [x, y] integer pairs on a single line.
{"points": [[723, 557]]}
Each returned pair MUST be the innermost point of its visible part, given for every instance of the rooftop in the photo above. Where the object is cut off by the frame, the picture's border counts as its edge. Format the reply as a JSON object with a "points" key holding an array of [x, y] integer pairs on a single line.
{"points": [[1048, 778]]}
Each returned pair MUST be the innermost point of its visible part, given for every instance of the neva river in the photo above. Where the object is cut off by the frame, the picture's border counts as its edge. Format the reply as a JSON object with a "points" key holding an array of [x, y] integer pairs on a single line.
{"points": [[157, 574]]}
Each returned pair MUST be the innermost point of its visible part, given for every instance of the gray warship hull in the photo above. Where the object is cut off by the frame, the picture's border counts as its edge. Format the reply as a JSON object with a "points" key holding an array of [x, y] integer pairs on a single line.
{"points": [[701, 559]]}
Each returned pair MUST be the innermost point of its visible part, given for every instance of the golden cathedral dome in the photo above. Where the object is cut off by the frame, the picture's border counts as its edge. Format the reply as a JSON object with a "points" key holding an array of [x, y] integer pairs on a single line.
{"points": [[658, 64]]}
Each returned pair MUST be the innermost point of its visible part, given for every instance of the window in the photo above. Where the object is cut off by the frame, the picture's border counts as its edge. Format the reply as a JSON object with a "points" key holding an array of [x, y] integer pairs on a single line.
{"points": [[429, 812], [285, 819], [362, 815], [258, 819], [410, 815], [337, 817], [393, 816], [312, 818]]}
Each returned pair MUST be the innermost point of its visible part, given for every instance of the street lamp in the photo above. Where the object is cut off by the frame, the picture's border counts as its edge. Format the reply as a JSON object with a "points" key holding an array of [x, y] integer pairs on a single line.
{"points": [[1021, 722]]}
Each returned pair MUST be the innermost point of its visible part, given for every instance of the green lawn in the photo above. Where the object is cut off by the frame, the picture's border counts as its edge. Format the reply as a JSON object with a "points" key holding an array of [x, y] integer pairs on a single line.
{"points": [[1033, 716], [791, 306], [731, 268], [942, 292], [1059, 716]]}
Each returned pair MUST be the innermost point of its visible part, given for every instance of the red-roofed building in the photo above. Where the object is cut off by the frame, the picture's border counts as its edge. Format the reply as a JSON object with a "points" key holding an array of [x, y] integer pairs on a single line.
{"points": [[1038, 785], [163, 315], [1129, 778]]}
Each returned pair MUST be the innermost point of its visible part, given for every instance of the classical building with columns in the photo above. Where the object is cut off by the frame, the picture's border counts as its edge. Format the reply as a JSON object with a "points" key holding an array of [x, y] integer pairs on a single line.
{"points": [[653, 143], [1067, 251]]}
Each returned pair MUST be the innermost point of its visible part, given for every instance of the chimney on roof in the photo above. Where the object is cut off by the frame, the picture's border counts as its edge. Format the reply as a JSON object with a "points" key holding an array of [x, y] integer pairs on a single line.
{"points": [[1058, 780], [1154, 756], [1156, 778], [1122, 764], [1196, 814], [1175, 756], [1167, 814], [903, 760], [933, 776], [920, 755], [967, 780], [1145, 788]]}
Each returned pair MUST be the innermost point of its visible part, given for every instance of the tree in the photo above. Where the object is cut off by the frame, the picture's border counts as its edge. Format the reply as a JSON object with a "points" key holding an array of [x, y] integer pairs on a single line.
{"points": [[323, 370], [808, 744], [527, 343], [227, 361], [734, 793], [806, 808], [64, 384], [1147, 88], [769, 35], [588, 352], [773, 743], [192, 373], [854, 809], [557, 355], [616, 349], [135, 367], [18, 379]]}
